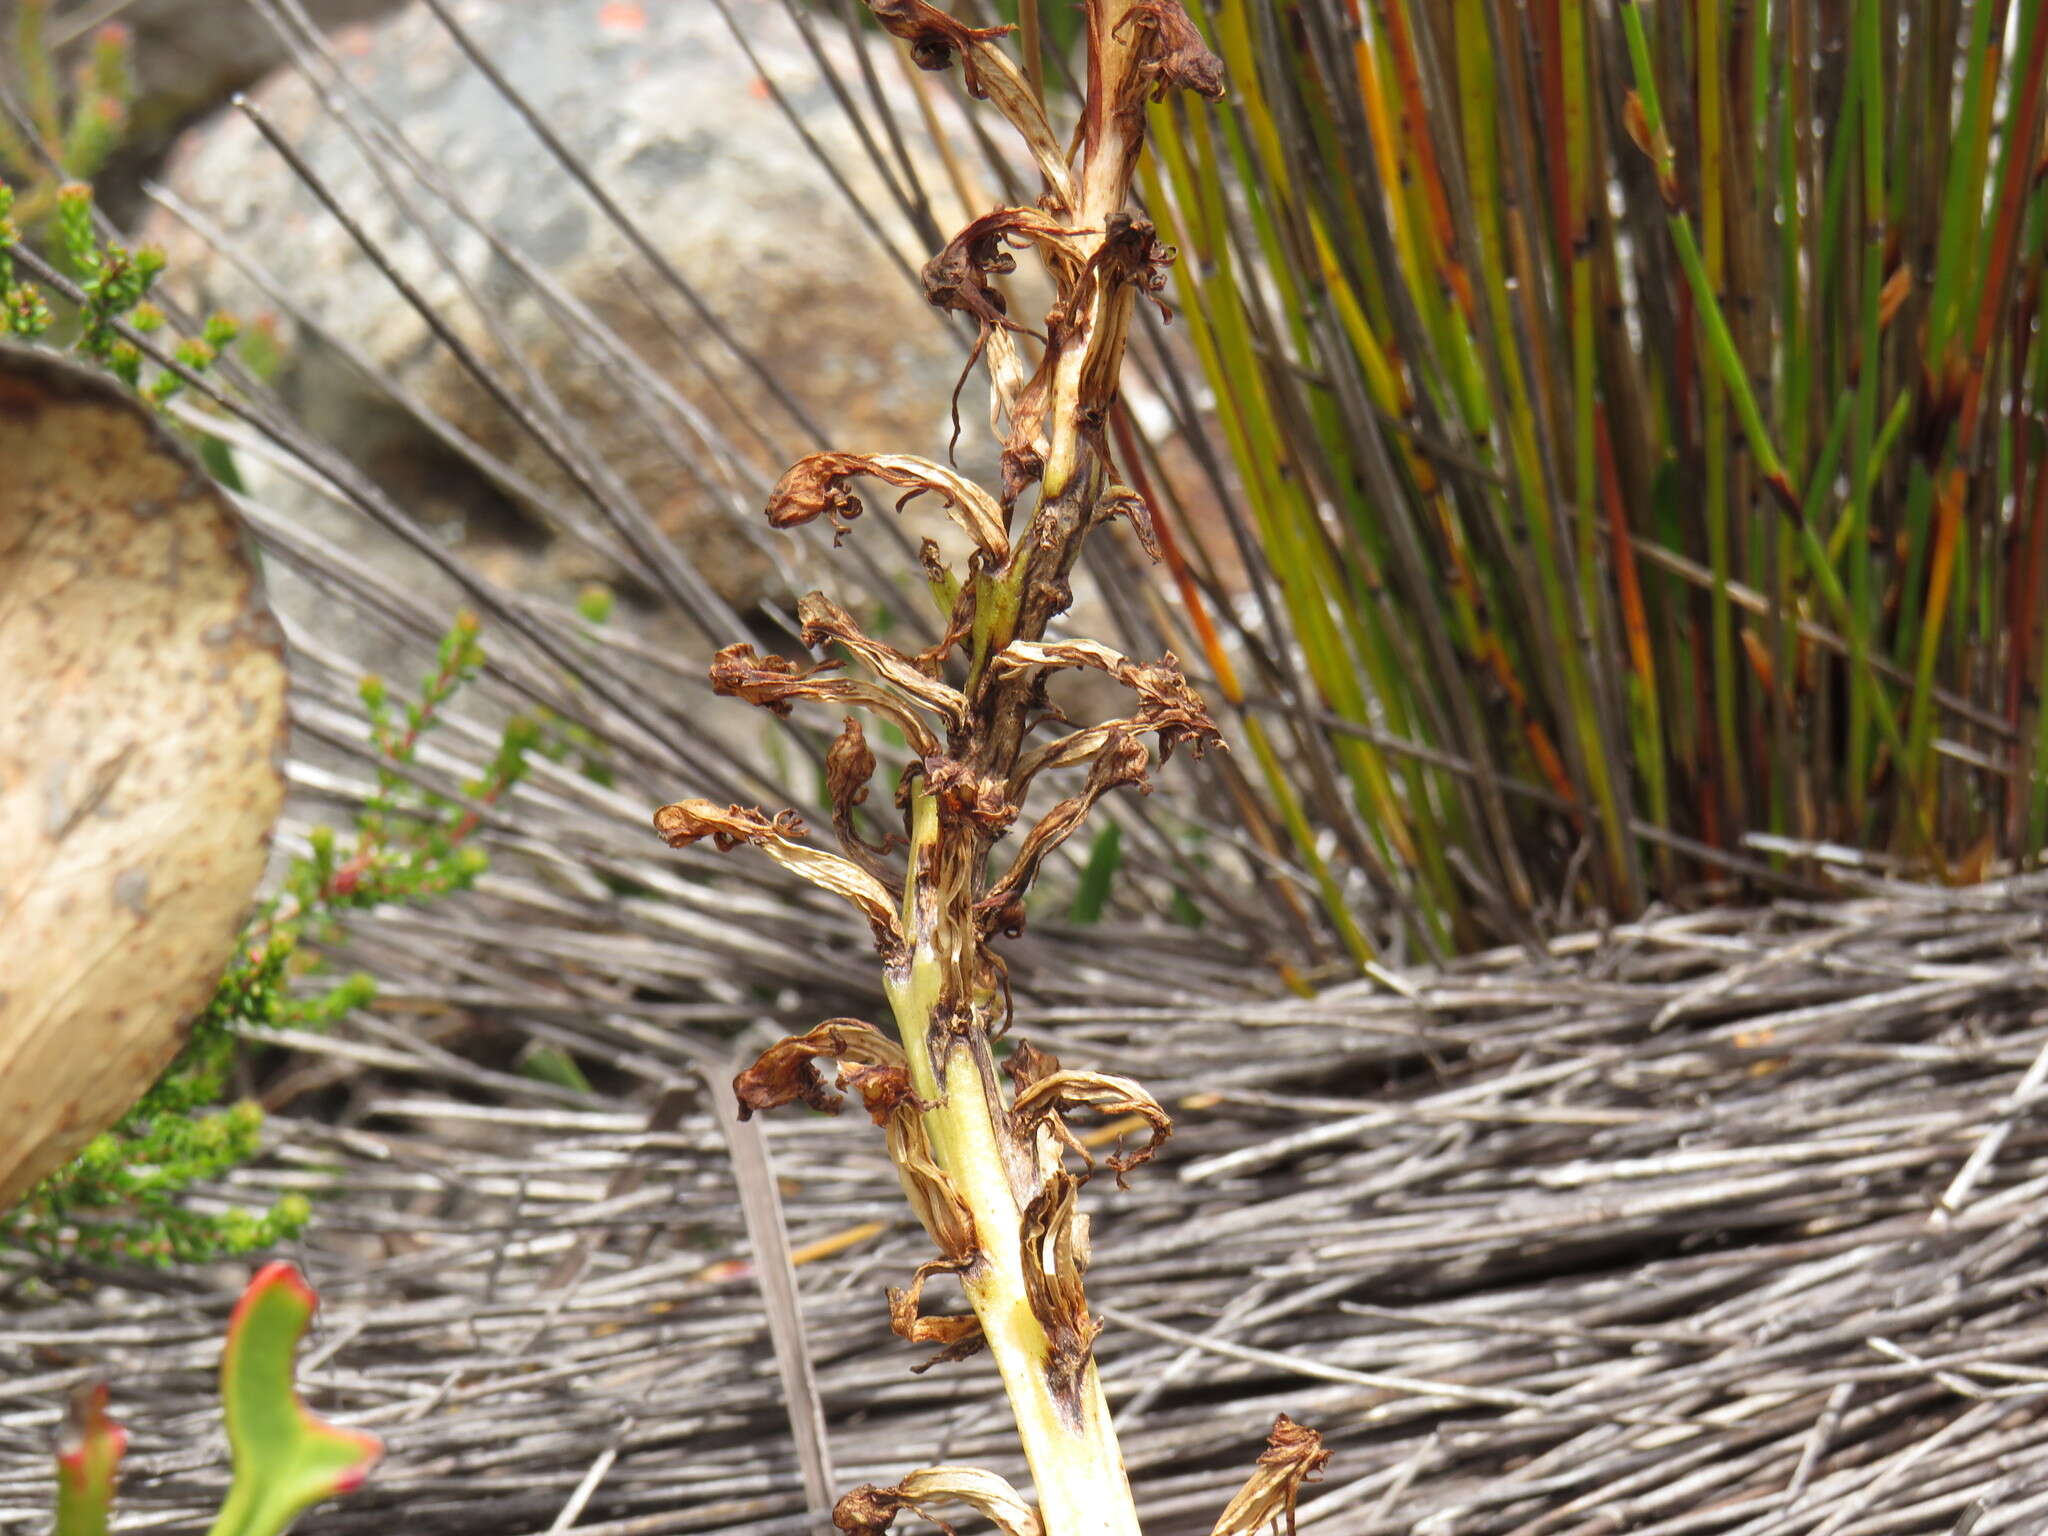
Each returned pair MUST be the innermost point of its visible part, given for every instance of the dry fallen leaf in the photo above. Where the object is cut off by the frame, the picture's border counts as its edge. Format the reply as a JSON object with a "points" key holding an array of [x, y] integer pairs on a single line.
{"points": [[141, 744]]}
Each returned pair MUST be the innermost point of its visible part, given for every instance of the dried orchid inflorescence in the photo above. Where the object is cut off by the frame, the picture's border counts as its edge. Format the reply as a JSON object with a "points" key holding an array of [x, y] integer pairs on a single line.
{"points": [[995, 1175]]}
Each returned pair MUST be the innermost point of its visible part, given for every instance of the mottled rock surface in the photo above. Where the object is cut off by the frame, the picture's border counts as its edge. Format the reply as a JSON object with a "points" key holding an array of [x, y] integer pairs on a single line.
{"points": [[681, 128]]}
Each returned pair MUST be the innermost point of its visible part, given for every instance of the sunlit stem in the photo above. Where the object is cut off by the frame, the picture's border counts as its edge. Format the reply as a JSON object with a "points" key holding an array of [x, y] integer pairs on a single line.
{"points": [[1083, 1489]]}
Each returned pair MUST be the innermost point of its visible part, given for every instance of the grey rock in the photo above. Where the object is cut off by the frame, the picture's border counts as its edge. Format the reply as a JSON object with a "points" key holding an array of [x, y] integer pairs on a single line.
{"points": [[677, 124]]}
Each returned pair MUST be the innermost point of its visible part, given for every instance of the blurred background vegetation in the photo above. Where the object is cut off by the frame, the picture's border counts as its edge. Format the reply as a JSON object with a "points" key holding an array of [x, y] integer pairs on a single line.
{"points": [[1634, 423], [1596, 441]]}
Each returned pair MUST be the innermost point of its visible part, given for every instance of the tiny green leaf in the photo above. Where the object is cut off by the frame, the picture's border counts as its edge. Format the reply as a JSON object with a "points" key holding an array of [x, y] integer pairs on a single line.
{"points": [[552, 1064], [286, 1459]]}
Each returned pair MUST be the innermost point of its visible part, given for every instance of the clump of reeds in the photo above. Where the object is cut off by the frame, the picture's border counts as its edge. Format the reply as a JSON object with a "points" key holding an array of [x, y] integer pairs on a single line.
{"points": [[994, 1174], [1636, 414]]}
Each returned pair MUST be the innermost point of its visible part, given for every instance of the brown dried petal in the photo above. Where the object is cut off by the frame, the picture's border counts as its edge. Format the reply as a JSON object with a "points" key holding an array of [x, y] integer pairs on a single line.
{"points": [[1131, 252], [934, 37], [867, 1510], [775, 682], [1048, 1101], [957, 278], [1293, 1455], [958, 1334], [815, 486], [771, 682], [849, 764], [883, 1090], [687, 821], [965, 796], [788, 1070], [988, 74], [1027, 1064], [1175, 57], [1166, 704]]}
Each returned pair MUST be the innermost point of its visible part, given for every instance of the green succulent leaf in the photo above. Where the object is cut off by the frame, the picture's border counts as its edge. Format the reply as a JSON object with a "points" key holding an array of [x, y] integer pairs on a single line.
{"points": [[89, 1451], [285, 1458]]}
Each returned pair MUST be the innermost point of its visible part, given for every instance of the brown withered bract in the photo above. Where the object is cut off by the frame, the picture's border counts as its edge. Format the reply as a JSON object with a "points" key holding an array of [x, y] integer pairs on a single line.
{"points": [[934, 37], [1122, 501], [966, 795], [1027, 1064], [1055, 1259], [1294, 1455], [788, 1070], [957, 1334], [1176, 57]]}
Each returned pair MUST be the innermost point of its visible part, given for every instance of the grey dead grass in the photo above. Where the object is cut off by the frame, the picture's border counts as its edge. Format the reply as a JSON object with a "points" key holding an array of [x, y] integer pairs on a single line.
{"points": [[1555, 1267]]}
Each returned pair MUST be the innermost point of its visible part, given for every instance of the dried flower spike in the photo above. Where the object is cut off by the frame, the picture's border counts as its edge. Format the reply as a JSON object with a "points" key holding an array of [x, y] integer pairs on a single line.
{"points": [[995, 1176]]}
